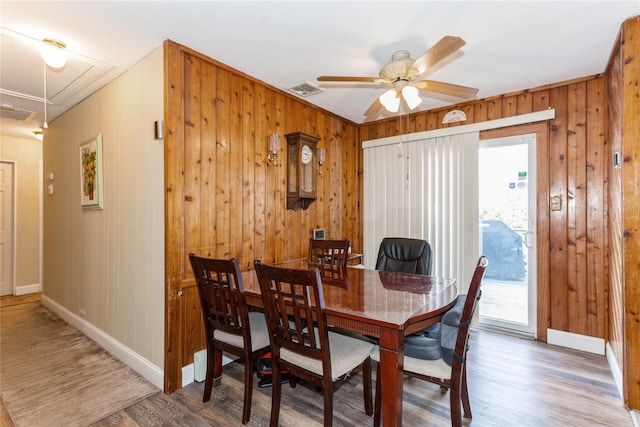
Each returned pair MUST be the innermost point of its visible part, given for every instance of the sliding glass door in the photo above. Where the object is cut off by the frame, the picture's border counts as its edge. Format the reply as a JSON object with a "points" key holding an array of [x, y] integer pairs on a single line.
{"points": [[507, 232]]}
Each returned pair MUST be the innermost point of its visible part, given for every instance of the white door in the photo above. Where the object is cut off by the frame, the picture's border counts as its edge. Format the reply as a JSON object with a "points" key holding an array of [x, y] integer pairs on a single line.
{"points": [[507, 232], [6, 228]]}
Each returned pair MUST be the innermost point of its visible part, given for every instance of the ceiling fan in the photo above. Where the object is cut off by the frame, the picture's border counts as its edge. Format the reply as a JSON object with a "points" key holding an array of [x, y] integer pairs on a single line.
{"points": [[402, 74]]}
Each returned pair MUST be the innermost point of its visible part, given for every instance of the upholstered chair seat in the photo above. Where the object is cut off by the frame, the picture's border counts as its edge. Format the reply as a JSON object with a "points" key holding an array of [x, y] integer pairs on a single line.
{"points": [[346, 352], [258, 332]]}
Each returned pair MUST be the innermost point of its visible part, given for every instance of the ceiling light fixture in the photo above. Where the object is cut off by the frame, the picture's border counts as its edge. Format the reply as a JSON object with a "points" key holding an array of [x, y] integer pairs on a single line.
{"points": [[390, 100], [53, 53], [410, 95], [39, 135]]}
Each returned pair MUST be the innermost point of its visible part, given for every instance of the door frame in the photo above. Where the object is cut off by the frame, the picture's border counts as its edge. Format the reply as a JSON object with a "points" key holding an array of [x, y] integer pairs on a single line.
{"points": [[14, 184], [541, 130]]}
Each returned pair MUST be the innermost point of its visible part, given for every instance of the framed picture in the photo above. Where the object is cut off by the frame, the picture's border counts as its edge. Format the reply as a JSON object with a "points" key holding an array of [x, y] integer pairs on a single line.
{"points": [[318, 234], [91, 174]]}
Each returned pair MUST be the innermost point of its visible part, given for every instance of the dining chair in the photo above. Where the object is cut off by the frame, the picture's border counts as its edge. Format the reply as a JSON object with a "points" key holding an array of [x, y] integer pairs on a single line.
{"points": [[301, 342], [404, 255], [330, 256], [443, 360], [229, 325], [328, 253]]}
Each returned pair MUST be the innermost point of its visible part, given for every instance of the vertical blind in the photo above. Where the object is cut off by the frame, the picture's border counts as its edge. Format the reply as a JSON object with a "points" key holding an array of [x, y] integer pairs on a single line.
{"points": [[425, 189]]}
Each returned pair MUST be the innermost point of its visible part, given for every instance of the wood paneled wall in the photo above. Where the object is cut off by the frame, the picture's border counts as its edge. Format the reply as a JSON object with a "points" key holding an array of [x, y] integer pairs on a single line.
{"points": [[623, 99], [573, 269], [222, 197], [615, 226]]}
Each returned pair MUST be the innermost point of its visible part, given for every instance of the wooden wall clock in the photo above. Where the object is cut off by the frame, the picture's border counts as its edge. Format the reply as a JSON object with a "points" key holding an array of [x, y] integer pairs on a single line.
{"points": [[301, 170]]}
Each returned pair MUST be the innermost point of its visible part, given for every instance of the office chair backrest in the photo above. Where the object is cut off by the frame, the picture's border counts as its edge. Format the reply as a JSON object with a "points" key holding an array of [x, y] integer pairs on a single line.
{"points": [[404, 255]]}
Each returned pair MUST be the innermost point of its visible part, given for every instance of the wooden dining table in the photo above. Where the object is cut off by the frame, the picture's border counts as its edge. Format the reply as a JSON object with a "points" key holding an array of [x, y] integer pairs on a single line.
{"points": [[380, 304]]}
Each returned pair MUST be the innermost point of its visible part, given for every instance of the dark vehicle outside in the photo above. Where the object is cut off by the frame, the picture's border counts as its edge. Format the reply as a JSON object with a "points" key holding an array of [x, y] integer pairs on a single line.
{"points": [[503, 247]]}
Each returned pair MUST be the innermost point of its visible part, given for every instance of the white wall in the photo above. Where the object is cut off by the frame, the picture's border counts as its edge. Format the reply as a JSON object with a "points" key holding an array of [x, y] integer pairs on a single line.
{"points": [[105, 268]]}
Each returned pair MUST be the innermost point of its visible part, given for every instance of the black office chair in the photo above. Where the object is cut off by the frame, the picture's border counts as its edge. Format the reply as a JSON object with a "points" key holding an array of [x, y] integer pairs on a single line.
{"points": [[404, 255]]}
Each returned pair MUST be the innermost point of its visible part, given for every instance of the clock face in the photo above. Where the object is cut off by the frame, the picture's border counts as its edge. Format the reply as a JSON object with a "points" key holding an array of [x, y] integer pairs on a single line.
{"points": [[307, 154]]}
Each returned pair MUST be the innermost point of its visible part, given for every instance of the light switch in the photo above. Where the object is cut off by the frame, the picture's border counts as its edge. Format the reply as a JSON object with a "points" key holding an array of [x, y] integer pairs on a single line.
{"points": [[51, 176], [50, 188]]}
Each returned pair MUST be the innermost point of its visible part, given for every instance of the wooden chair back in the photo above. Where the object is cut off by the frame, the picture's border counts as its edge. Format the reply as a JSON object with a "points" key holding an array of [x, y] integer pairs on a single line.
{"points": [[229, 326], [330, 256], [470, 306], [293, 304], [222, 298]]}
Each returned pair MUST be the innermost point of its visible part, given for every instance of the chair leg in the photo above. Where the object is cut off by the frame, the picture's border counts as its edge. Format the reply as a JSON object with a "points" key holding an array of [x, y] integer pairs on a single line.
{"points": [[378, 403], [454, 403], [248, 388], [214, 371], [466, 404], [328, 401], [366, 384], [276, 394]]}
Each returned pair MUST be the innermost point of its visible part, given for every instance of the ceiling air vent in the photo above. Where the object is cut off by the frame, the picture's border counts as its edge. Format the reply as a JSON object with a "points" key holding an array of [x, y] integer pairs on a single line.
{"points": [[9, 111], [305, 89]]}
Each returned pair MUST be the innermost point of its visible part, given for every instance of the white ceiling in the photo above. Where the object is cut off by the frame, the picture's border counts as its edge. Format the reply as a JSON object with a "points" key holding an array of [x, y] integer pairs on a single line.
{"points": [[511, 45]]}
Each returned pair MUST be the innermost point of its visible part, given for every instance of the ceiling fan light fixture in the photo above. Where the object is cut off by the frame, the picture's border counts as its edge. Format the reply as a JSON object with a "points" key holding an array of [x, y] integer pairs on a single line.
{"points": [[390, 100], [53, 53], [410, 94]]}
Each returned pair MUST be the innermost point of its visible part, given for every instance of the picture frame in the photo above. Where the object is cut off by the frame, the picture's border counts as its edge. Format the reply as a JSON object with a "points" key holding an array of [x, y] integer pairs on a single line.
{"points": [[91, 182], [318, 234]]}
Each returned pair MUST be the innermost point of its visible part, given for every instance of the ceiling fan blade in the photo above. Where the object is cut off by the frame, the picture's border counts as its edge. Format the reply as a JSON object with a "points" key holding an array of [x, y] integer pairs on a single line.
{"points": [[446, 88], [348, 79], [436, 53], [374, 109]]}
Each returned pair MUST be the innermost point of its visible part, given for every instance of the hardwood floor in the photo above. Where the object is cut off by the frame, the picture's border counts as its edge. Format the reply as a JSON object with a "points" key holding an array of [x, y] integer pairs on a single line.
{"points": [[512, 382], [7, 301]]}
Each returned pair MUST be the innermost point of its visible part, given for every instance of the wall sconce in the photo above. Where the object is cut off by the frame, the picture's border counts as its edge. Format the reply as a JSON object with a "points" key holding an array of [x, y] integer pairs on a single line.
{"points": [[274, 148], [321, 157], [39, 135]]}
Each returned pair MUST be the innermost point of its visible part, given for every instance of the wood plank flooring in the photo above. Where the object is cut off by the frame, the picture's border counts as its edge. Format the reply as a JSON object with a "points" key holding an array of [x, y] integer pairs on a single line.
{"points": [[512, 382]]}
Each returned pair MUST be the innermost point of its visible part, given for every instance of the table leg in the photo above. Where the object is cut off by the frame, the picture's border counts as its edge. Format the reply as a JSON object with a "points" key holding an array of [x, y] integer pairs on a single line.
{"points": [[391, 374]]}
